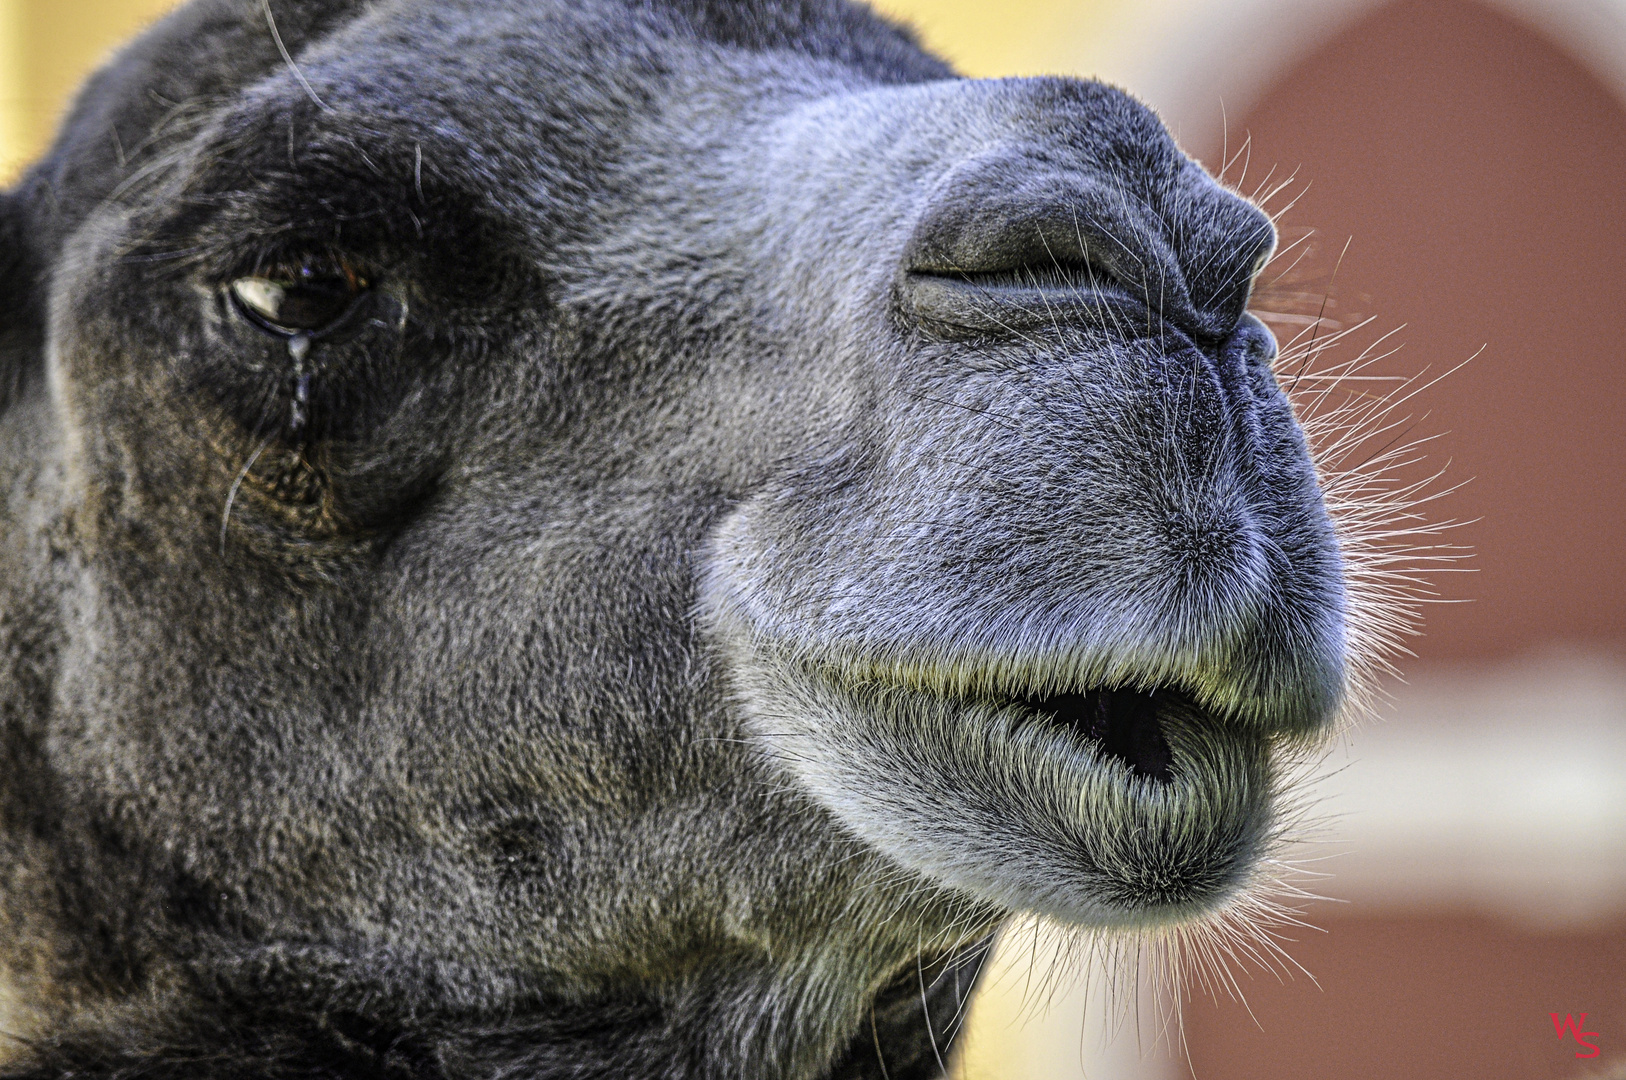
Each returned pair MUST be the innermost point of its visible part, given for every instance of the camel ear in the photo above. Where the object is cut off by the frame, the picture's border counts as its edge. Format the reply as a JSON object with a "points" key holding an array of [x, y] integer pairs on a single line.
{"points": [[22, 315]]}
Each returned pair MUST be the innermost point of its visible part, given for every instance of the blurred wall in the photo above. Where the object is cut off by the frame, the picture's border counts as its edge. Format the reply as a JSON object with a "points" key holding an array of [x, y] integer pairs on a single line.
{"points": [[1470, 156], [1475, 168]]}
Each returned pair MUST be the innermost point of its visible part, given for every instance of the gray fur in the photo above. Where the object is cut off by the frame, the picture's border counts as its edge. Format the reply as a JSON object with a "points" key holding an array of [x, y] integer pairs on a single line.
{"points": [[614, 669]]}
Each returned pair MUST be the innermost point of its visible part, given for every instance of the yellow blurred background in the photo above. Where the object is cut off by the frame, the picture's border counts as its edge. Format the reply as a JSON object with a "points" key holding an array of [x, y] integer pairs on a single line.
{"points": [[1471, 153], [47, 47]]}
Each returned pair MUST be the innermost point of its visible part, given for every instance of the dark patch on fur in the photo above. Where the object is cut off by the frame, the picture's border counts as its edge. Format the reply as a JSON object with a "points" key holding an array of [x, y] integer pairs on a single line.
{"points": [[21, 327]]}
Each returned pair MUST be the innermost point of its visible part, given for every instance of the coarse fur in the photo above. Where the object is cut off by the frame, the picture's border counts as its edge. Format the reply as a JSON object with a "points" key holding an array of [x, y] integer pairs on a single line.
{"points": [[624, 651]]}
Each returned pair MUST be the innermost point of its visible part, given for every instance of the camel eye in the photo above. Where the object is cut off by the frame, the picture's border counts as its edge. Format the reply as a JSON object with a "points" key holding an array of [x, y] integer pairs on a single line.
{"points": [[307, 300]]}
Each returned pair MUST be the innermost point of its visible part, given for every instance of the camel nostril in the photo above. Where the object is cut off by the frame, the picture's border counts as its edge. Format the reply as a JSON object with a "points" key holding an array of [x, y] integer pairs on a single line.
{"points": [[1123, 722]]}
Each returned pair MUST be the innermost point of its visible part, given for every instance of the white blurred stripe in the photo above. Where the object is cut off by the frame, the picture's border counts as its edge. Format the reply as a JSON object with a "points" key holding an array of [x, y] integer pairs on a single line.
{"points": [[1501, 788]]}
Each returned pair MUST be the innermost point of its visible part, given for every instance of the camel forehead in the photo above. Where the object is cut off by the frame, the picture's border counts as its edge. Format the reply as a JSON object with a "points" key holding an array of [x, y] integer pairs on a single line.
{"points": [[563, 63], [500, 80]]}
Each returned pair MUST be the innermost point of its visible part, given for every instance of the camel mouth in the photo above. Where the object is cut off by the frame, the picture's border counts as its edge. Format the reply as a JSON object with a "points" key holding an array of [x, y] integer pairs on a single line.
{"points": [[1110, 802], [1105, 785], [1123, 724]]}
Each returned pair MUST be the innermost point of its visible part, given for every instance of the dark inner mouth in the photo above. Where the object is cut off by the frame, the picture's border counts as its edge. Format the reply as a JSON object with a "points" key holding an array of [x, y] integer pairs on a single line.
{"points": [[1123, 722]]}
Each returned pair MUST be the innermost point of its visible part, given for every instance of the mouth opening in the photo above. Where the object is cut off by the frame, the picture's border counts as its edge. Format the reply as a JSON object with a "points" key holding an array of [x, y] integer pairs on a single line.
{"points": [[1124, 723]]}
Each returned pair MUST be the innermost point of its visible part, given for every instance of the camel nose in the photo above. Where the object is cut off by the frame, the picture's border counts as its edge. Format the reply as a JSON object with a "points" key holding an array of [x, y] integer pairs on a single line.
{"points": [[1078, 198], [1011, 240], [1222, 257]]}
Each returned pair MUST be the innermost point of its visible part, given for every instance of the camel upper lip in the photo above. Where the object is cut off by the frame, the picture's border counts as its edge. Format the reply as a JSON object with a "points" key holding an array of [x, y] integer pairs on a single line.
{"points": [[1044, 685]]}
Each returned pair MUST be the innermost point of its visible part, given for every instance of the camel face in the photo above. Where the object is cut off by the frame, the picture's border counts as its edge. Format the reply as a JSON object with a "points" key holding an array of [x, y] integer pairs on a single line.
{"points": [[619, 538]]}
